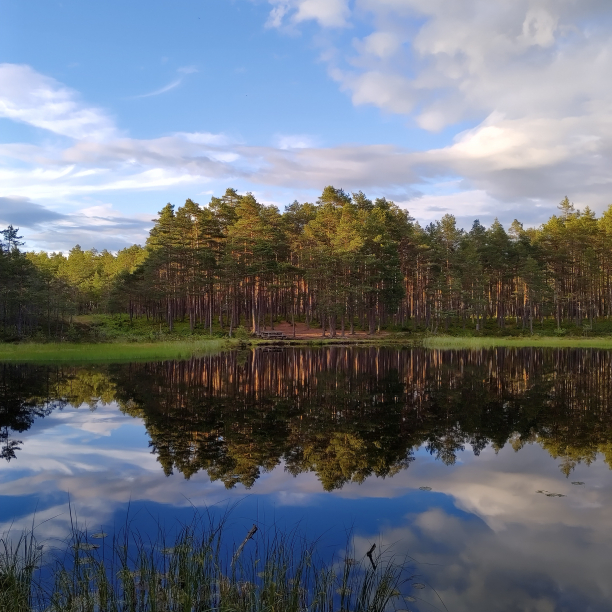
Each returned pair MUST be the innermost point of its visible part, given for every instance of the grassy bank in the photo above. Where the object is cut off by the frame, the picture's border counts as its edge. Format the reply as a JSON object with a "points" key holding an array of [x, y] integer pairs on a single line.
{"points": [[201, 569], [112, 351], [464, 342], [101, 352]]}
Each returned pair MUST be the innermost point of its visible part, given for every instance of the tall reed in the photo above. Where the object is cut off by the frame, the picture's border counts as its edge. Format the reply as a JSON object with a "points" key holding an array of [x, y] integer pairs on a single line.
{"points": [[198, 571], [19, 559]]}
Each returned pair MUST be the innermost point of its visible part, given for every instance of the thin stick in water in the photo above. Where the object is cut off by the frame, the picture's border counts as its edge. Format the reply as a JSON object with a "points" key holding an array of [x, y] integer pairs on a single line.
{"points": [[369, 554], [248, 537]]}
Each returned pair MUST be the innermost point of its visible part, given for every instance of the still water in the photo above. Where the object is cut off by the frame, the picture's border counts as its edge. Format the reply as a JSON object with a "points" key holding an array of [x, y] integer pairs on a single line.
{"points": [[490, 469]]}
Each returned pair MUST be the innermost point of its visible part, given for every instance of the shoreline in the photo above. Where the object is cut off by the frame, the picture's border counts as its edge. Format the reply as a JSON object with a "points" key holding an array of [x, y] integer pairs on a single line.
{"points": [[486, 342], [185, 349], [105, 352]]}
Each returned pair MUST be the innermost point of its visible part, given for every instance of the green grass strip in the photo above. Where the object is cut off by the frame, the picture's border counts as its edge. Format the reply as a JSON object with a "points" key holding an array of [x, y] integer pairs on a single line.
{"points": [[110, 352], [450, 342]]}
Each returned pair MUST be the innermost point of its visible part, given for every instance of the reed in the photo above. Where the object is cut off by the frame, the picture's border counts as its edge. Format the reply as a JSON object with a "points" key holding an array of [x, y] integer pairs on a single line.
{"points": [[199, 570], [18, 562]]}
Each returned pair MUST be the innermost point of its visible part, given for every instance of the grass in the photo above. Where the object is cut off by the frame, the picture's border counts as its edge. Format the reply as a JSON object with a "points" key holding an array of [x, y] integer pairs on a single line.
{"points": [[464, 342], [200, 570], [113, 351], [18, 561], [184, 349]]}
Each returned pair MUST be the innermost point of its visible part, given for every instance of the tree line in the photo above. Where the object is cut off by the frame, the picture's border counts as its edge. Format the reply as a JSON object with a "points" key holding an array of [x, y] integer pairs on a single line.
{"points": [[341, 263]]}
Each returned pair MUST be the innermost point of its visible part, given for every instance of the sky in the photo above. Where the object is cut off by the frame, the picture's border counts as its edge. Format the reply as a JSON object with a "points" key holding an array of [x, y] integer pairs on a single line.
{"points": [[475, 108]]}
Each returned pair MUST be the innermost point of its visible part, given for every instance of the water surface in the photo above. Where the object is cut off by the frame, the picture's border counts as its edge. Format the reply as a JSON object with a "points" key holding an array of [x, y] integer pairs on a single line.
{"points": [[464, 460]]}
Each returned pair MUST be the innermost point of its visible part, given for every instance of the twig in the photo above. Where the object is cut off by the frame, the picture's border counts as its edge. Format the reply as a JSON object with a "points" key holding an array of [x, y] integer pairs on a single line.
{"points": [[369, 554], [248, 537]]}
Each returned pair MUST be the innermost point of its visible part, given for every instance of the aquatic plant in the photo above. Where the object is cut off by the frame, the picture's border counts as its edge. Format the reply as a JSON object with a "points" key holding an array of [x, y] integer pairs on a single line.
{"points": [[19, 559], [199, 569]]}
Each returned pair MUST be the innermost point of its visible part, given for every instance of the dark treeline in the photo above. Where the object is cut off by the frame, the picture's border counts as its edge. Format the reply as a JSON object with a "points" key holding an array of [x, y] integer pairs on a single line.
{"points": [[344, 262], [342, 413]]}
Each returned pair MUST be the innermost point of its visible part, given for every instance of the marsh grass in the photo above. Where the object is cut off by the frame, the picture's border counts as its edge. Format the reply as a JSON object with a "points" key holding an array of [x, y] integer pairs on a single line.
{"points": [[19, 560], [452, 342], [107, 352], [195, 571]]}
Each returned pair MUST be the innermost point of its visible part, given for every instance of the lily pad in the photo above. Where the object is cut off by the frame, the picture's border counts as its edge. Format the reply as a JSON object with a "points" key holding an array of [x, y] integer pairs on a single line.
{"points": [[424, 488], [577, 482], [99, 535], [549, 494], [85, 546], [418, 585]]}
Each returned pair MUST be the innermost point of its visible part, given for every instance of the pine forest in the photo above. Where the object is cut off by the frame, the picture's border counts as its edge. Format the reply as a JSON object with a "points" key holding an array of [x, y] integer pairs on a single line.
{"points": [[342, 264]]}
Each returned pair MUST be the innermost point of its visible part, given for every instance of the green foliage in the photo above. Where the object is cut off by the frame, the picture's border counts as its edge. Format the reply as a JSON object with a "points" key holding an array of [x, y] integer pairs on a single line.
{"points": [[343, 263], [242, 333]]}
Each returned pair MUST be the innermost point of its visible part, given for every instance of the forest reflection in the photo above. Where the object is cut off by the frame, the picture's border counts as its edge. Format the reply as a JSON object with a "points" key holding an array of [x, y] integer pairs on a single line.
{"points": [[343, 413]]}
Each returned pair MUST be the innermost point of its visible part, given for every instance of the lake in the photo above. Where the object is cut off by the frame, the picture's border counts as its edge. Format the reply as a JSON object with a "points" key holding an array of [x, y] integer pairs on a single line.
{"points": [[490, 470]]}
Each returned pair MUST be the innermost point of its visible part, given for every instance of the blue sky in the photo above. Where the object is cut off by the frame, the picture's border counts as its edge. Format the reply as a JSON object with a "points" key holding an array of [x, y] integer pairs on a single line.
{"points": [[110, 110]]}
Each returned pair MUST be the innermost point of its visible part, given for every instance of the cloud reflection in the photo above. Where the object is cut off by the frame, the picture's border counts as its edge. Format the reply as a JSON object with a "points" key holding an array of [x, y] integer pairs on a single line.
{"points": [[497, 535]]}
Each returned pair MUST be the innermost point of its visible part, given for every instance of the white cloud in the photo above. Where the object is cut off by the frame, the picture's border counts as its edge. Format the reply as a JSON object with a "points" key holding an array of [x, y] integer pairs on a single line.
{"points": [[88, 166], [542, 122], [161, 90], [277, 14], [327, 13], [465, 205], [380, 44], [391, 92], [194, 160], [539, 27], [186, 70], [30, 97], [97, 226], [531, 76], [294, 141], [468, 58]]}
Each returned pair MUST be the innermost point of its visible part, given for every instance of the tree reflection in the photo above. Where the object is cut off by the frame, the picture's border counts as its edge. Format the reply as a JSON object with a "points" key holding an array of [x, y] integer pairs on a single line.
{"points": [[343, 413], [30, 392]]}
